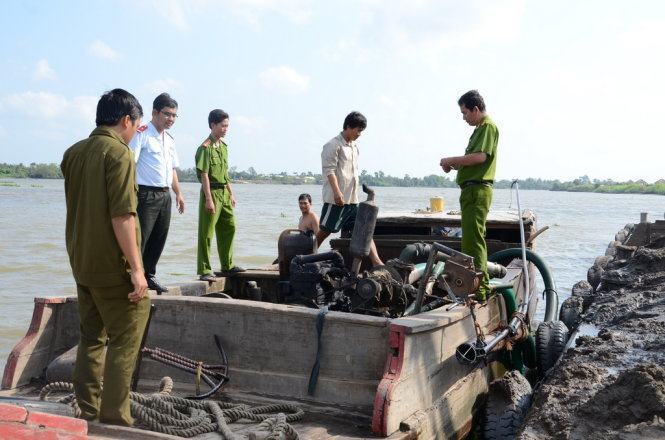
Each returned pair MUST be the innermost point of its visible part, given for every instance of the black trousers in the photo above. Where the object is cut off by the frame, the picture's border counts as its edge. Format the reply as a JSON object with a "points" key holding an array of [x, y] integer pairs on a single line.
{"points": [[154, 211]]}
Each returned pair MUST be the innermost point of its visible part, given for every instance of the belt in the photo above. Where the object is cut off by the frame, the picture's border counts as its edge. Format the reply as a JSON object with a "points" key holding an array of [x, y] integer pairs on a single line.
{"points": [[217, 185], [153, 188], [466, 183]]}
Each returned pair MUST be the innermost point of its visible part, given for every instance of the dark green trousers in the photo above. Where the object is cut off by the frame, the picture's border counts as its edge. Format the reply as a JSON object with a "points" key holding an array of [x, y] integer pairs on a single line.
{"points": [[475, 202], [106, 313], [221, 224]]}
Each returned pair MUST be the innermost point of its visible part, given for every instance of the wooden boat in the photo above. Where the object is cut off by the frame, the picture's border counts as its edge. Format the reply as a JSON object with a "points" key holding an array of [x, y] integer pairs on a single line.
{"points": [[380, 377]]}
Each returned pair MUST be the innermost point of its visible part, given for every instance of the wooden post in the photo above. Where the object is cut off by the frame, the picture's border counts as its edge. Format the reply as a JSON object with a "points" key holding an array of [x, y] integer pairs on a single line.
{"points": [[644, 217]]}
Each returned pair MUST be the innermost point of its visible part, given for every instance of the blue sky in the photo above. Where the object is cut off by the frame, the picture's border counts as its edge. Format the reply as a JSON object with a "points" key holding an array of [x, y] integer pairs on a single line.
{"points": [[574, 86]]}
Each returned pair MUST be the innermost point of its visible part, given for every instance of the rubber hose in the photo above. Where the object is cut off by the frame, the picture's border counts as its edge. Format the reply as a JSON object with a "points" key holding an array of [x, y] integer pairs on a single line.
{"points": [[332, 256], [414, 253], [527, 347], [551, 296]]}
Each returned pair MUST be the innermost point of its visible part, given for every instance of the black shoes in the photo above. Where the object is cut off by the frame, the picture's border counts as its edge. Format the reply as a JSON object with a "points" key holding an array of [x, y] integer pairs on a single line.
{"points": [[233, 270], [153, 284]]}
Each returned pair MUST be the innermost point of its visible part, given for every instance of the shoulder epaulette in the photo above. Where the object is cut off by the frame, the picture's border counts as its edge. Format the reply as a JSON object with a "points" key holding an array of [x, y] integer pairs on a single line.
{"points": [[206, 143], [142, 128]]}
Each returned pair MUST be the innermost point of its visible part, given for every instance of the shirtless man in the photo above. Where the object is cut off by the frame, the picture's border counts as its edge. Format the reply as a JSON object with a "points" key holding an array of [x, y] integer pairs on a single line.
{"points": [[308, 221]]}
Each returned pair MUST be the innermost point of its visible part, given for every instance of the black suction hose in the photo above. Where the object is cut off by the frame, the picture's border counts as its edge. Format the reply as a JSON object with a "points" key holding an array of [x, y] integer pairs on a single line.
{"points": [[551, 296]]}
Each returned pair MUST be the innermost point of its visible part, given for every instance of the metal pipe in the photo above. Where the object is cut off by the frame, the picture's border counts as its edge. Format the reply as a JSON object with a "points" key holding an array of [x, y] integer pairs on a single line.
{"points": [[448, 251], [524, 306], [471, 352], [423, 281], [369, 191]]}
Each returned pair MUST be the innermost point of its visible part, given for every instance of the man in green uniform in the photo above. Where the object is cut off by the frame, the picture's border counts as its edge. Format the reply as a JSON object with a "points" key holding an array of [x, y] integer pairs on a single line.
{"points": [[216, 201], [103, 243], [475, 176]]}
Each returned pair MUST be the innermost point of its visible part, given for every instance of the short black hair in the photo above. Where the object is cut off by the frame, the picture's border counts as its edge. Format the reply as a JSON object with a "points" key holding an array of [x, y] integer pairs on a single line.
{"points": [[355, 120], [115, 105], [164, 100], [472, 99], [216, 116], [305, 196]]}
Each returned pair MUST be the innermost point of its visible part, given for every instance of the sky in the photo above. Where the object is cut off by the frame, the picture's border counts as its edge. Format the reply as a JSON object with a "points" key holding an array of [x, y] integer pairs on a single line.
{"points": [[575, 86]]}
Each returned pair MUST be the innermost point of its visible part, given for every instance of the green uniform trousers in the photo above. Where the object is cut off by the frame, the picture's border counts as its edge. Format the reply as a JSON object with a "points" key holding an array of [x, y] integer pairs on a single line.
{"points": [[475, 202], [222, 224], [106, 312]]}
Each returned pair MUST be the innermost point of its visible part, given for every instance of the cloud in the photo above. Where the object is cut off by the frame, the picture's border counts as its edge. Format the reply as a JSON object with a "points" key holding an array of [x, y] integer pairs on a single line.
{"points": [[248, 125], [645, 36], [387, 102], [175, 12], [44, 71], [295, 11], [180, 13], [424, 29], [103, 51], [284, 79], [45, 105], [347, 49], [168, 85]]}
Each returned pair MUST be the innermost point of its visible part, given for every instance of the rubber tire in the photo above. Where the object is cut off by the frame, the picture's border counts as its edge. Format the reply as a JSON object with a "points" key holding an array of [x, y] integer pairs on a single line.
{"points": [[504, 412], [551, 338]]}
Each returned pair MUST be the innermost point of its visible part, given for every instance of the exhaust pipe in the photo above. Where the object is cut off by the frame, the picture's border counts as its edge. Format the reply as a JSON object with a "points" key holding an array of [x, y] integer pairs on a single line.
{"points": [[471, 352]]}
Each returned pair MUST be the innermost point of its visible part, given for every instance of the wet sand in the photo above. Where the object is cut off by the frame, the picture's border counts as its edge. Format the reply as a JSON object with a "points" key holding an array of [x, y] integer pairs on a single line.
{"points": [[611, 383]]}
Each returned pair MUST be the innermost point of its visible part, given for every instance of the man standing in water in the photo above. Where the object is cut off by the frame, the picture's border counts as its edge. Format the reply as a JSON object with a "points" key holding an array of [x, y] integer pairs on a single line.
{"points": [[339, 162], [475, 177], [103, 239], [216, 201], [156, 162], [308, 220]]}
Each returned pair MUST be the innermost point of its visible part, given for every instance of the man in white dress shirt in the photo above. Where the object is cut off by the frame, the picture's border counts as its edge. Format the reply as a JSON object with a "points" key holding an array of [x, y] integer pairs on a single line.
{"points": [[339, 163], [156, 163]]}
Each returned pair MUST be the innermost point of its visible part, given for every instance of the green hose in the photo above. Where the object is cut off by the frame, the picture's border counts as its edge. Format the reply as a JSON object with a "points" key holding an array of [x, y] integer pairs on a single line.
{"points": [[551, 296], [524, 353]]}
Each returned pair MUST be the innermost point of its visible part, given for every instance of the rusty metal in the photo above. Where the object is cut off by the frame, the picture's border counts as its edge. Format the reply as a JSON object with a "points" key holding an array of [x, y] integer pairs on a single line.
{"points": [[214, 375], [461, 276]]}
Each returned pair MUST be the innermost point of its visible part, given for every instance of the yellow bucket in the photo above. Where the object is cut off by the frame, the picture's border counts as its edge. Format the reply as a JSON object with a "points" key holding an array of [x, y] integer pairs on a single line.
{"points": [[436, 204]]}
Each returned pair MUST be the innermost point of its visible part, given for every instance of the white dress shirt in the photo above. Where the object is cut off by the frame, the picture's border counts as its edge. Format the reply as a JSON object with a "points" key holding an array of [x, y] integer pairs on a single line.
{"points": [[155, 156], [341, 159]]}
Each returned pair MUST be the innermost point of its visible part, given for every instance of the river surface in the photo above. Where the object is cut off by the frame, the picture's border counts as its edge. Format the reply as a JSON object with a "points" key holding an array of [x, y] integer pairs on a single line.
{"points": [[33, 258]]}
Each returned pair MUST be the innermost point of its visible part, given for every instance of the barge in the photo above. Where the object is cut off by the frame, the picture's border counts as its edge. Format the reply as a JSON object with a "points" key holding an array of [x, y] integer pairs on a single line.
{"points": [[380, 376]]}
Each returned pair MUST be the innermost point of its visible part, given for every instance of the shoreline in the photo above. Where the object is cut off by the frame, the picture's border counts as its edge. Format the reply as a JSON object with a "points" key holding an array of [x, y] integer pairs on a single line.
{"points": [[655, 189], [611, 383]]}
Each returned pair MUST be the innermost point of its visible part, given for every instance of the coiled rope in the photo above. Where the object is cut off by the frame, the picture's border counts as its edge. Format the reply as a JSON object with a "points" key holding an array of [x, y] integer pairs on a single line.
{"points": [[167, 414]]}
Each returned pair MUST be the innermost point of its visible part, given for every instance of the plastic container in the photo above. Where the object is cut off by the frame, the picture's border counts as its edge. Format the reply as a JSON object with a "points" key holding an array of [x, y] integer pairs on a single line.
{"points": [[436, 204]]}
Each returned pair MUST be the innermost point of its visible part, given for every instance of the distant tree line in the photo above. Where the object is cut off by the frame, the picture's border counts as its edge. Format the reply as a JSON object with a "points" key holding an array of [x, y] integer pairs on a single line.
{"points": [[609, 186], [34, 171], [379, 178]]}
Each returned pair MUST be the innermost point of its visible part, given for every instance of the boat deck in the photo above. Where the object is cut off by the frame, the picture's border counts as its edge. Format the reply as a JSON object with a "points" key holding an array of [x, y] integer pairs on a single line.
{"points": [[318, 423]]}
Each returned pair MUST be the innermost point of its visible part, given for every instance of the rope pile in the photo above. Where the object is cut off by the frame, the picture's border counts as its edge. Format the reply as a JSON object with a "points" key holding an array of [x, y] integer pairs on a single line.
{"points": [[167, 414]]}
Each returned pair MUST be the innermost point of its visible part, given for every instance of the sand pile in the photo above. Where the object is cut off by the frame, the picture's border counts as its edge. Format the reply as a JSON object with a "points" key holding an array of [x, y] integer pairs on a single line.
{"points": [[611, 383]]}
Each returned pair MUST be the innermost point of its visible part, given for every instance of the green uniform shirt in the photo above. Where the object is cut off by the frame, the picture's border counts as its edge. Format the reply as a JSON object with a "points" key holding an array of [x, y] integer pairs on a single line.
{"points": [[100, 183], [213, 159], [484, 139]]}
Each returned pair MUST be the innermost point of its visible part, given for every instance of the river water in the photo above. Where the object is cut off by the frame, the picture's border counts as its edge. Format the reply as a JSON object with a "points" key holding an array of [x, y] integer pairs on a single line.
{"points": [[33, 258]]}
